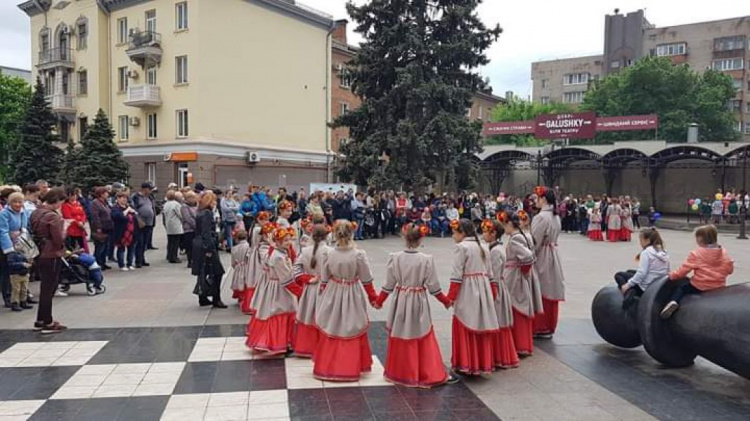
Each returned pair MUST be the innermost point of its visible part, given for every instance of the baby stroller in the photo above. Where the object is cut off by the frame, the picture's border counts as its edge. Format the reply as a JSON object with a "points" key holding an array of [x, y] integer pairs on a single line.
{"points": [[81, 268]]}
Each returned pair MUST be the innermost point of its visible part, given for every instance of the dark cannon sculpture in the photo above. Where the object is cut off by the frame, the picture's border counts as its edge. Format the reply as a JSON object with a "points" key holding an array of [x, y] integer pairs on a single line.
{"points": [[714, 325]]}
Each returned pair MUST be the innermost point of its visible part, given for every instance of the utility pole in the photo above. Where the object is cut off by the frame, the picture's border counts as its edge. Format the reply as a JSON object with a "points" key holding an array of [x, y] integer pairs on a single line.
{"points": [[743, 213]]}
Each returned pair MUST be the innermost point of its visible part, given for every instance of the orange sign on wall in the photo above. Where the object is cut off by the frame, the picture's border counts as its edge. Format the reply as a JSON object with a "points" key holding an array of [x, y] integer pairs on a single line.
{"points": [[181, 157]]}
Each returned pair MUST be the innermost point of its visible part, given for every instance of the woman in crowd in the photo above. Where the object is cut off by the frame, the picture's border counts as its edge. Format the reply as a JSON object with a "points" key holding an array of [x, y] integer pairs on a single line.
{"points": [[47, 225], [207, 264], [475, 321], [123, 218], [343, 351], [636, 213], [13, 221], [101, 225], [230, 208], [173, 224], [545, 228], [275, 300], [492, 231], [307, 273], [413, 355], [188, 210], [75, 216]]}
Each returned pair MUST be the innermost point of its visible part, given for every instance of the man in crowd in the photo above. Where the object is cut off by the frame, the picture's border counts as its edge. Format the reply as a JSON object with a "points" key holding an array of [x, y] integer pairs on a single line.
{"points": [[143, 204]]}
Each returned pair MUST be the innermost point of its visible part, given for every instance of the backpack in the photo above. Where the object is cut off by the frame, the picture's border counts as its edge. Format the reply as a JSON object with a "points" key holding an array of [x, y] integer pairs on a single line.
{"points": [[28, 245]]}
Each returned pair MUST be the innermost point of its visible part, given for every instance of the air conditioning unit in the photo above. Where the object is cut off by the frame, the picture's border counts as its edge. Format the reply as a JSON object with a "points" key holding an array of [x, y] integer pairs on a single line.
{"points": [[167, 157], [253, 157], [135, 121], [133, 74]]}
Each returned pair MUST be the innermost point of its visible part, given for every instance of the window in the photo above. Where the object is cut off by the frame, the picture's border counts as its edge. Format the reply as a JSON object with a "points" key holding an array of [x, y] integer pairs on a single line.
{"points": [[573, 97], [747, 128], [345, 76], [123, 126], [151, 20], [151, 75], [615, 64], [739, 126], [151, 126], [83, 34], [575, 79], [747, 107], [181, 67], [728, 64], [737, 83], [734, 105], [343, 108], [481, 113], [545, 83], [64, 130], [83, 126], [122, 79], [729, 43], [44, 41], [675, 49], [151, 172], [65, 83], [545, 100], [182, 123], [181, 15], [83, 83], [122, 30]]}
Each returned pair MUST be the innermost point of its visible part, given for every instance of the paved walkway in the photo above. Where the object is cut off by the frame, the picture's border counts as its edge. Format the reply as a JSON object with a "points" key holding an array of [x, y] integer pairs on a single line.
{"points": [[574, 376]]}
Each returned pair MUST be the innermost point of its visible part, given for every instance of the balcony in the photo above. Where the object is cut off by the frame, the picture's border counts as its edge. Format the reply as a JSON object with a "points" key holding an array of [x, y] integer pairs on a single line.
{"points": [[55, 57], [62, 104], [144, 47], [143, 96]]}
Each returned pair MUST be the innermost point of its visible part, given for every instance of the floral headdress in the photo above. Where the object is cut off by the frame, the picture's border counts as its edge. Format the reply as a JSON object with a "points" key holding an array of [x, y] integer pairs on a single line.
{"points": [[502, 217], [540, 191], [523, 216], [279, 234], [423, 230], [455, 225], [268, 228], [488, 226], [263, 216], [285, 205]]}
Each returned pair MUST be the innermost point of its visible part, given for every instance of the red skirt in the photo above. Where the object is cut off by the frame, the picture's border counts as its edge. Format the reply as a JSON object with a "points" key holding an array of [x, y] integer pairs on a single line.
{"points": [[342, 360], [613, 235], [305, 340], [523, 332], [477, 352], [237, 295], [247, 297], [415, 362], [625, 234], [273, 336], [596, 235], [546, 324]]}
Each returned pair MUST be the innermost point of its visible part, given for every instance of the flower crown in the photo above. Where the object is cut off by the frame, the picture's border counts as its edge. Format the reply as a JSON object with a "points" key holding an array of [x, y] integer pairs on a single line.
{"points": [[502, 217], [522, 215], [285, 205], [279, 234], [423, 230], [540, 191], [268, 228], [263, 216], [455, 225], [488, 226]]}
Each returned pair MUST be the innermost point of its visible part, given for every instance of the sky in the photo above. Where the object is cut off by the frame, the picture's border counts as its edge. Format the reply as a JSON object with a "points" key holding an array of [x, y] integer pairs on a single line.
{"points": [[533, 30]]}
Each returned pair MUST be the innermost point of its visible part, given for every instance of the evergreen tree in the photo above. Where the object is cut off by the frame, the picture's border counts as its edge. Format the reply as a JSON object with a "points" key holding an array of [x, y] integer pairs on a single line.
{"points": [[37, 154], [15, 95], [416, 72], [99, 161], [71, 161]]}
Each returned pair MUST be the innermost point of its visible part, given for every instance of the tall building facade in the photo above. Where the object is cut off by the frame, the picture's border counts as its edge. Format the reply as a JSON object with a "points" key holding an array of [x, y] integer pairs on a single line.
{"points": [[723, 45], [14, 72], [222, 92]]}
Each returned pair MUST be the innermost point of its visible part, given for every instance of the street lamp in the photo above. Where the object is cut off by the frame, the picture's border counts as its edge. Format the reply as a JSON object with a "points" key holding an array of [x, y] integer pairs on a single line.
{"points": [[743, 213]]}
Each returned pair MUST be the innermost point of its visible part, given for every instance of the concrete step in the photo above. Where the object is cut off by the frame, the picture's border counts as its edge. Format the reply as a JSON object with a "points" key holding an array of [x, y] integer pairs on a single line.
{"points": [[683, 225]]}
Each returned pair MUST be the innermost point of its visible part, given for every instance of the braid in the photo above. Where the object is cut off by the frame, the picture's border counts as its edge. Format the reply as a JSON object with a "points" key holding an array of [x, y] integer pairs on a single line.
{"points": [[481, 249]]}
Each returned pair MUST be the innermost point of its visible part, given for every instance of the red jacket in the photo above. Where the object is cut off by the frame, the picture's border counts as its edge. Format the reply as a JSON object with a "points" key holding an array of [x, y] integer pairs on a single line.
{"points": [[710, 267], [74, 212]]}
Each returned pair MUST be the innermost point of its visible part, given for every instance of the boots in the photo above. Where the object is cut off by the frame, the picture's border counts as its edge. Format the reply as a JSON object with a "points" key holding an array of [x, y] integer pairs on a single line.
{"points": [[218, 303], [26, 305], [203, 301], [15, 307]]}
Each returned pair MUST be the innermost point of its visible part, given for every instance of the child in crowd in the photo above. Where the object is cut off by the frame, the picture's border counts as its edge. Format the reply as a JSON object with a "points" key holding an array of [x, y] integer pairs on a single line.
{"points": [[717, 210], [241, 255], [595, 225], [710, 264], [258, 256], [653, 264], [18, 268], [651, 217]]}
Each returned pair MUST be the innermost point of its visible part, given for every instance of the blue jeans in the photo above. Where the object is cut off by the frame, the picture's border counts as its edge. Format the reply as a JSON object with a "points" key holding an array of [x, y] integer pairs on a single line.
{"points": [[360, 227], [121, 251], [100, 251], [228, 228], [141, 243], [5, 286], [440, 226]]}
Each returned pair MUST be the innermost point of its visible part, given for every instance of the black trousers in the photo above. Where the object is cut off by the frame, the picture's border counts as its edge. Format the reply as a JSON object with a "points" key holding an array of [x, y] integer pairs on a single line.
{"points": [[173, 246], [49, 270], [633, 294], [685, 288], [187, 245]]}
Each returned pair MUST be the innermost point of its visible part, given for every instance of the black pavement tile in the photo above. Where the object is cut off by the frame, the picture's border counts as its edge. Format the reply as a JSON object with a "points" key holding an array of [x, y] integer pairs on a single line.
{"points": [[395, 416], [59, 409], [261, 366], [434, 415], [345, 393], [222, 331], [312, 418], [144, 408], [197, 378], [103, 408], [483, 414], [33, 382], [382, 405], [301, 408], [305, 395], [382, 392], [428, 403], [348, 417], [233, 376]]}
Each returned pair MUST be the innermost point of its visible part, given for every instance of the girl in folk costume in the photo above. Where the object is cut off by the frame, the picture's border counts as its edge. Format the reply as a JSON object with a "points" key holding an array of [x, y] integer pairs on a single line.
{"points": [[343, 351], [275, 300], [492, 232], [626, 215], [307, 273], [595, 225], [258, 256], [473, 291], [413, 358], [285, 212], [614, 220], [241, 256], [520, 277], [545, 229]]}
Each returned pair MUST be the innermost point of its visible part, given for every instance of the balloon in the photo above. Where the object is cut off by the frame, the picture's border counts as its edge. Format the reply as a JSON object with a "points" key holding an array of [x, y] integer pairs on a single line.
{"points": [[698, 201], [694, 207], [657, 216], [719, 196], [691, 201]]}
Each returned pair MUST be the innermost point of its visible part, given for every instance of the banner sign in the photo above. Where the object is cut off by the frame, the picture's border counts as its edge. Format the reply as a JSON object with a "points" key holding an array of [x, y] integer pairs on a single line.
{"points": [[632, 122], [566, 126], [508, 127], [571, 126]]}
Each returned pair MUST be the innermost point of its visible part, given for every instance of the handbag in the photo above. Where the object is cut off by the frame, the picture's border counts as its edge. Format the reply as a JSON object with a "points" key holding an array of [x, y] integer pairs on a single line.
{"points": [[141, 222], [26, 246], [100, 236]]}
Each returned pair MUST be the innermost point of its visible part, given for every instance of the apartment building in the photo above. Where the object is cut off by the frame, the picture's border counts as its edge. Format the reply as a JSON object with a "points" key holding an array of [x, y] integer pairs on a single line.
{"points": [[14, 72], [723, 45], [224, 92]]}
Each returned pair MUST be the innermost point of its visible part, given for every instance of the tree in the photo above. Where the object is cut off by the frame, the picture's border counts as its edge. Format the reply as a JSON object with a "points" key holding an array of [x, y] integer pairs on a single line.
{"points": [[99, 160], [415, 72], [679, 95], [15, 94], [520, 110], [37, 154], [71, 161]]}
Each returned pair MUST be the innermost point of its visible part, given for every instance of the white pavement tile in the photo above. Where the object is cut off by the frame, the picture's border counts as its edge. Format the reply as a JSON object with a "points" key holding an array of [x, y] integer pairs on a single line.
{"points": [[19, 408], [122, 380], [229, 399], [115, 391], [263, 397], [45, 354], [226, 413], [96, 369], [268, 411], [222, 349], [193, 400], [154, 389], [183, 414]]}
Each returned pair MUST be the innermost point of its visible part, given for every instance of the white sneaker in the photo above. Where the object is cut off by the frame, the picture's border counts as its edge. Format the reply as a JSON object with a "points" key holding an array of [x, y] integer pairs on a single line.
{"points": [[131, 267], [60, 293], [669, 309], [124, 269]]}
